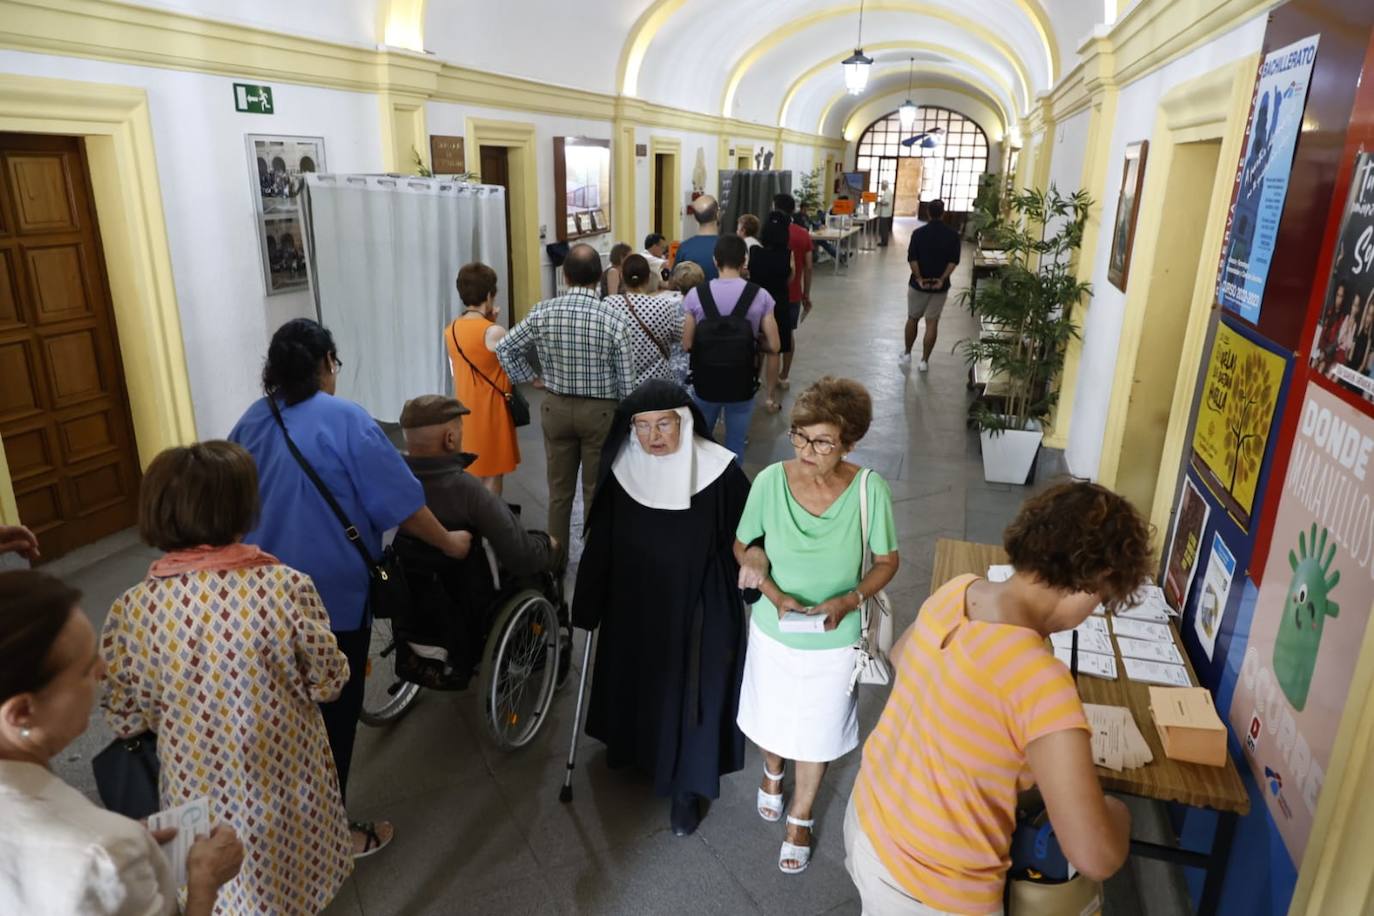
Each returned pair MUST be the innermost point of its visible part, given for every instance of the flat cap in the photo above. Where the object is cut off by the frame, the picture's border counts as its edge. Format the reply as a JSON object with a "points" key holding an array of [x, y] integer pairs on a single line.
{"points": [[431, 410]]}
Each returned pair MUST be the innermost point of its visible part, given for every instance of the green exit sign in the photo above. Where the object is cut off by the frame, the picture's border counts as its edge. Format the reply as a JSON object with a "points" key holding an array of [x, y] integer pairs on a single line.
{"points": [[252, 99]]}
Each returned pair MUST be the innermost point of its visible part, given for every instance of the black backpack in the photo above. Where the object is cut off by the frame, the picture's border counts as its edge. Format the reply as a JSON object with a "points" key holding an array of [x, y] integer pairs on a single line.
{"points": [[725, 349]]}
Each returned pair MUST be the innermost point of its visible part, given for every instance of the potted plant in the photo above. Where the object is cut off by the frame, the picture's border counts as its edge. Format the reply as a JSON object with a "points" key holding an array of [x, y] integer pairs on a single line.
{"points": [[1025, 314], [809, 194], [987, 217]]}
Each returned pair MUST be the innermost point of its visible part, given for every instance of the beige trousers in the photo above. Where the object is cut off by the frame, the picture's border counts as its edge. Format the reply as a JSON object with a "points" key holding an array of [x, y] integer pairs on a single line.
{"points": [[574, 431]]}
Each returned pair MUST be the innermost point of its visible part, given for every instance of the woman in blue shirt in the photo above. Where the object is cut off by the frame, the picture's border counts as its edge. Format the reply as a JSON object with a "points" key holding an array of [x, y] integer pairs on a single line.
{"points": [[370, 481]]}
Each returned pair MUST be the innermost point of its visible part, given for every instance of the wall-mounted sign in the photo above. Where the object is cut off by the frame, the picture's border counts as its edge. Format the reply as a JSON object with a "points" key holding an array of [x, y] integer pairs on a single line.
{"points": [[446, 155], [1344, 340], [253, 99], [1190, 522], [277, 164]]}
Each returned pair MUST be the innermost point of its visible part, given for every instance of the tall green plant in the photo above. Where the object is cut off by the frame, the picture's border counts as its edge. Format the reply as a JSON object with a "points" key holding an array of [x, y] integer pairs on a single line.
{"points": [[986, 218], [1028, 305], [809, 194]]}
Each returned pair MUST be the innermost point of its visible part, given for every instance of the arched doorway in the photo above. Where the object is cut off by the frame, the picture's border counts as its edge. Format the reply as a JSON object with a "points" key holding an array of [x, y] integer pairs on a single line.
{"points": [[944, 163]]}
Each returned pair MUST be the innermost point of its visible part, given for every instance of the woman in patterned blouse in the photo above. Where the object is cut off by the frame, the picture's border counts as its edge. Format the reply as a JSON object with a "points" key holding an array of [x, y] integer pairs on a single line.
{"points": [[655, 323], [224, 652]]}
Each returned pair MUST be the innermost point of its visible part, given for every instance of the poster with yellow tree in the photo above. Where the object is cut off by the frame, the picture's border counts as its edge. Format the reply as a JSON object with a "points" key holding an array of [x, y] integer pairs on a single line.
{"points": [[1239, 397]]}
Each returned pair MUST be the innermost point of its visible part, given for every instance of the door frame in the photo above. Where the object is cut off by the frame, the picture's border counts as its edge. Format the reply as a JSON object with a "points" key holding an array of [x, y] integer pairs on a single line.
{"points": [[115, 124], [670, 195], [522, 162]]}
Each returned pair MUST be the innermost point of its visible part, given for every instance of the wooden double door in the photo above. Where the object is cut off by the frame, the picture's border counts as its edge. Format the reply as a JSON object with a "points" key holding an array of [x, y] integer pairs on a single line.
{"points": [[64, 411]]}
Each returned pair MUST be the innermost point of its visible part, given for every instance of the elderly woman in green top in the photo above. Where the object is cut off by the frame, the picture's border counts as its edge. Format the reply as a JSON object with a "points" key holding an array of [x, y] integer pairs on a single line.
{"points": [[795, 702]]}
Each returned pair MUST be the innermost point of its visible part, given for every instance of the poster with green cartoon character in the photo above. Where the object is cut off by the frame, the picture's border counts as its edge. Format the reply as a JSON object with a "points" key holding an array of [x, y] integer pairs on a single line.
{"points": [[1311, 611]]}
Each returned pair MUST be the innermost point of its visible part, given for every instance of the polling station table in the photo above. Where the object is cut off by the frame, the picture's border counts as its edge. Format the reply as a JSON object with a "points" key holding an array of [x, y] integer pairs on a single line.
{"points": [[1217, 788], [844, 240]]}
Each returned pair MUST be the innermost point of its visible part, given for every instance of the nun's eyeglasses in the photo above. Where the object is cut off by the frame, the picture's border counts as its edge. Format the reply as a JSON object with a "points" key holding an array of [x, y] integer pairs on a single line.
{"points": [[667, 426], [801, 440]]}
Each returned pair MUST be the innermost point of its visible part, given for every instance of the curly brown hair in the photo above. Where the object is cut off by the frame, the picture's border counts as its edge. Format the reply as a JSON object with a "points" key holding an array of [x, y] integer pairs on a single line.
{"points": [[1082, 537], [841, 401]]}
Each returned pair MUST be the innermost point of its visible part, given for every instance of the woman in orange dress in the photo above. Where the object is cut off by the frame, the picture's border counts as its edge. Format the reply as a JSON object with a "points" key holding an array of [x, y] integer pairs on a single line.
{"points": [[479, 381]]}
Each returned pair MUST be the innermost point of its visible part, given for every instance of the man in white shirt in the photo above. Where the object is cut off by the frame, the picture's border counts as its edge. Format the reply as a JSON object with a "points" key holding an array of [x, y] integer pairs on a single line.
{"points": [[655, 247], [885, 203]]}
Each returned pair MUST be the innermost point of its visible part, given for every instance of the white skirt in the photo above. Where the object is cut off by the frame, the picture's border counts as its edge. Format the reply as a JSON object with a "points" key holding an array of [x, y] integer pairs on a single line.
{"points": [[796, 702]]}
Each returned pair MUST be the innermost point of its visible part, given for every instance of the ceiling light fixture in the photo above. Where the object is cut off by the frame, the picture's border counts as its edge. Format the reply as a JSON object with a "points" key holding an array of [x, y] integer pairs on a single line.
{"points": [[907, 113], [856, 65]]}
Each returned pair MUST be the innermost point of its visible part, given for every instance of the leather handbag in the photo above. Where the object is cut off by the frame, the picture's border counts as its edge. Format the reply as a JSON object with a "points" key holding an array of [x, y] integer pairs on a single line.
{"points": [[871, 664], [515, 401], [388, 594], [126, 775]]}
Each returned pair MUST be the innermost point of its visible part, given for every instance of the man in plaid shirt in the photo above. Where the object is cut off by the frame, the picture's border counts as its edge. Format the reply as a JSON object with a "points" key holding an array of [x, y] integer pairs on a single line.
{"points": [[586, 360]]}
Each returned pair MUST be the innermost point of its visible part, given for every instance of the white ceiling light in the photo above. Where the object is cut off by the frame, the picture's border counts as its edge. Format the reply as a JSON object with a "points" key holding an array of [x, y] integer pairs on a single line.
{"points": [[857, 65], [907, 113]]}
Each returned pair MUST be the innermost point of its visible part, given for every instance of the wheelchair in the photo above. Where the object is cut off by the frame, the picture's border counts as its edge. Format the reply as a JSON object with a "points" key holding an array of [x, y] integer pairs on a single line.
{"points": [[467, 620]]}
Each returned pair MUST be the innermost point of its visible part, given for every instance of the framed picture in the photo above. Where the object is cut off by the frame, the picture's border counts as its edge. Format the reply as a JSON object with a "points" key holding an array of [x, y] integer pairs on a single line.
{"points": [[1127, 209], [276, 165]]}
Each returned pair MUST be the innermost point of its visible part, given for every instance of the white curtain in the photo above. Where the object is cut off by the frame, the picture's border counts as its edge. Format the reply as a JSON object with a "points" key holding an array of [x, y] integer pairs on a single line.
{"points": [[385, 253]]}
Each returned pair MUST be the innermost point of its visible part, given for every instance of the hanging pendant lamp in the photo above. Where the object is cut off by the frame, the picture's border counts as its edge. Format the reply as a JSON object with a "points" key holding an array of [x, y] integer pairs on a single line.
{"points": [[856, 65], [907, 113]]}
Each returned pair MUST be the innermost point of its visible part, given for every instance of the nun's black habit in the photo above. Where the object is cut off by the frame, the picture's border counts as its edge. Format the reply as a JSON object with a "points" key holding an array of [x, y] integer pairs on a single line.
{"points": [[662, 586]]}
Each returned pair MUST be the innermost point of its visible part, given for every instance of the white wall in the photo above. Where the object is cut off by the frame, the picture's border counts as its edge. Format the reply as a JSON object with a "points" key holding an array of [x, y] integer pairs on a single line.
{"points": [[353, 21], [1135, 117], [1070, 147], [207, 197], [691, 142]]}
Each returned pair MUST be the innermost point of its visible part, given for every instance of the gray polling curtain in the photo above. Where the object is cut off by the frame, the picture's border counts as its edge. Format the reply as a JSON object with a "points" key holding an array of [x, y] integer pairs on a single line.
{"points": [[749, 191]]}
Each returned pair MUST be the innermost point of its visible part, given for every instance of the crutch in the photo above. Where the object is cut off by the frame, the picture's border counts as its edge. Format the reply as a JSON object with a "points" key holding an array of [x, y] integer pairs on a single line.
{"points": [[565, 794]]}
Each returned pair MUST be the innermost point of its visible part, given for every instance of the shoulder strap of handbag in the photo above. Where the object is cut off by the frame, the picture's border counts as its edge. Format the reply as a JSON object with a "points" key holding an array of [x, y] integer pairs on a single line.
{"points": [[453, 332], [350, 530], [864, 554], [645, 328]]}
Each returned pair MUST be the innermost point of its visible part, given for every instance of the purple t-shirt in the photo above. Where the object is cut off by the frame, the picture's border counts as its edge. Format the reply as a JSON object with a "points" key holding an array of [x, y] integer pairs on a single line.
{"points": [[727, 293]]}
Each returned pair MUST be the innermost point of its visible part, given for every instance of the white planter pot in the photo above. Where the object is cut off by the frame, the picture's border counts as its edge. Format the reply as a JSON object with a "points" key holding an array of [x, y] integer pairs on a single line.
{"points": [[1008, 456]]}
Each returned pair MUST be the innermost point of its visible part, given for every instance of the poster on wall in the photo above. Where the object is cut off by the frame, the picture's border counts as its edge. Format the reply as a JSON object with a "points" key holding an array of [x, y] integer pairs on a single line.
{"points": [[1216, 589], [277, 164], [1262, 177], [1312, 611], [1239, 397], [1190, 521], [1343, 346]]}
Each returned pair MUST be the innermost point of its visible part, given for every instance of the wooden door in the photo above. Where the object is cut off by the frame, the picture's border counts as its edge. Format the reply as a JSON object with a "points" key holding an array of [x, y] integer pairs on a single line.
{"points": [[496, 170], [660, 187], [64, 411], [907, 198]]}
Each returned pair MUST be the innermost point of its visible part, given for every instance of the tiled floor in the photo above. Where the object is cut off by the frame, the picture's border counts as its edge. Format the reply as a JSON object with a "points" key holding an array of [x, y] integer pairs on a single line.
{"points": [[481, 831]]}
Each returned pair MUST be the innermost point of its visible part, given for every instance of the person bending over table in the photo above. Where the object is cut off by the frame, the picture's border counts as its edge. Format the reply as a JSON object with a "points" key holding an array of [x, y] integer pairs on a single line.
{"points": [[981, 710]]}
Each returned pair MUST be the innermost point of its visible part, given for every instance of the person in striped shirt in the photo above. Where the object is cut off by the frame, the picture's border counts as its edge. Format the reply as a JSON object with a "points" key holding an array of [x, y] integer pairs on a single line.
{"points": [[981, 709]]}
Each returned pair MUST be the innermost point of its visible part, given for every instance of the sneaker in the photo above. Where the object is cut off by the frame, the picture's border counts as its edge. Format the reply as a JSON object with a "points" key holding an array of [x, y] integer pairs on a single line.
{"points": [[904, 359], [923, 366]]}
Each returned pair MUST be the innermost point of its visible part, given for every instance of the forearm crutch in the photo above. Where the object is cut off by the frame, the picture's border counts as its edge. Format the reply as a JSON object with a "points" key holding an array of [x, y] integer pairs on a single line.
{"points": [[566, 793]]}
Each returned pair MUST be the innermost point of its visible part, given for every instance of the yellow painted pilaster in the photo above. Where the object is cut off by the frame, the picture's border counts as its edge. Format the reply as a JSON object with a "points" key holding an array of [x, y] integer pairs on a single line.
{"points": [[404, 136], [623, 181]]}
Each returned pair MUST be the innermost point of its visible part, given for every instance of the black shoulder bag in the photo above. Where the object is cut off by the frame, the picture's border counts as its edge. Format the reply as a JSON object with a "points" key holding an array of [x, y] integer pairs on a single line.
{"points": [[126, 775], [515, 401], [388, 594]]}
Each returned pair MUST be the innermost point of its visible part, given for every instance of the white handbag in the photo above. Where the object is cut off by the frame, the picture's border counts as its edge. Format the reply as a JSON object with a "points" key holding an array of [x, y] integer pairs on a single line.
{"points": [[871, 665]]}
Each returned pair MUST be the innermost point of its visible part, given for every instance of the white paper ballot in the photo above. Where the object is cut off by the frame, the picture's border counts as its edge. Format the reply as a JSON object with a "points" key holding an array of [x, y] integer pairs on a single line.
{"points": [[1088, 641], [999, 573], [1137, 669], [191, 820], [1143, 629], [797, 622], [1154, 612], [1149, 650], [1093, 625], [1092, 664]]}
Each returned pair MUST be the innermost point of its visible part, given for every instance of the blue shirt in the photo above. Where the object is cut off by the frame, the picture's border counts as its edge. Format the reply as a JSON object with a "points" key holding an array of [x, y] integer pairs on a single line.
{"points": [[701, 250], [361, 468]]}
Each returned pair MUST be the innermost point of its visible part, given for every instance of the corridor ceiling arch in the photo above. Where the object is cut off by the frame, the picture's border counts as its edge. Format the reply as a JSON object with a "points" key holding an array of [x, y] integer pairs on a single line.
{"points": [[971, 103], [402, 24], [893, 73]]}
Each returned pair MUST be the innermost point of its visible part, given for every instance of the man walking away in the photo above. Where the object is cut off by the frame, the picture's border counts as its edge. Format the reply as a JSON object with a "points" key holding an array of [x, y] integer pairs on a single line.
{"points": [[700, 247], [586, 357], [933, 254], [727, 323], [799, 290]]}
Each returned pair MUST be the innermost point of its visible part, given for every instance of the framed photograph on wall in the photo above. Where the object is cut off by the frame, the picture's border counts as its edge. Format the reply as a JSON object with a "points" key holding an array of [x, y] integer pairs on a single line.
{"points": [[276, 165], [1127, 209]]}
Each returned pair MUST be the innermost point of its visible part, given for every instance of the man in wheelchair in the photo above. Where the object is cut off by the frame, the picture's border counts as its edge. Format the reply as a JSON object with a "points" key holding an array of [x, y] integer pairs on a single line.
{"points": [[439, 645]]}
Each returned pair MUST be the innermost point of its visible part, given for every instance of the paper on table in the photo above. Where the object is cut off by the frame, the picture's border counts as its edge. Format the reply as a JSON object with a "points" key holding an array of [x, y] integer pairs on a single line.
{"points": [[1116, 739], [191, 820], [1137, 669], [999, 573], [1088, 641], [1093, 625], [1143, 629], [1149, 650], [1092, 664]]}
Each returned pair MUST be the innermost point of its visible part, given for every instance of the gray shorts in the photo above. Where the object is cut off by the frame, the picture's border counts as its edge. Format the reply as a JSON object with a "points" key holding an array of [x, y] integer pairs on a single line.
{"points": [[922, 303]]}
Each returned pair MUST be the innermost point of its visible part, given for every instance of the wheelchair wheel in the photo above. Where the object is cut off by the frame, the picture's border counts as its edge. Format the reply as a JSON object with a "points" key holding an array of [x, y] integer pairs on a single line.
{"points": [[519, 669], [385, 696]]}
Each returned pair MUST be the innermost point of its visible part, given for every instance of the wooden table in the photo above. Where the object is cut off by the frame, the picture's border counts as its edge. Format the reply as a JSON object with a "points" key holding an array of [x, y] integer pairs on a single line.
{"points": [[1217, 788], [839, 237], [985, 264]]}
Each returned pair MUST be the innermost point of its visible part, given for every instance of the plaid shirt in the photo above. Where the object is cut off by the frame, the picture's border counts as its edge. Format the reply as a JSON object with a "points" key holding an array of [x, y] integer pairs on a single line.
{"points": [[584, 347]]}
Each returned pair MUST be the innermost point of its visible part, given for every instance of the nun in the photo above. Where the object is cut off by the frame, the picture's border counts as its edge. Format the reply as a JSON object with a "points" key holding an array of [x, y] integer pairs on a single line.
{"points": [[659, 578]]}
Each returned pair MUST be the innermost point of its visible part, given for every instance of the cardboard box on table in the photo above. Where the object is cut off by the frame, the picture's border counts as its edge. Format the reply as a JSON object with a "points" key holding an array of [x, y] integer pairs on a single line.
{"points": [[1188, 725]]}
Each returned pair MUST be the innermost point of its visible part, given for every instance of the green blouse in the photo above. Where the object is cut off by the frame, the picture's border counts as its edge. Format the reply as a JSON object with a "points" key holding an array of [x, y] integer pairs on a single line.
{"points": [[814, 557]]}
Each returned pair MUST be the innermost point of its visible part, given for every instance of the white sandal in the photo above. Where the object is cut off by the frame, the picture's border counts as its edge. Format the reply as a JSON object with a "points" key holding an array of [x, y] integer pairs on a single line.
{"points": [[791, 852], [773, 804]]}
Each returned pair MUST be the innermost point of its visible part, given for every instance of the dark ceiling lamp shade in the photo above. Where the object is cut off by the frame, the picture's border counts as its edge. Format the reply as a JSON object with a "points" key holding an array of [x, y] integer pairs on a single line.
{"points": [[857, 65]]}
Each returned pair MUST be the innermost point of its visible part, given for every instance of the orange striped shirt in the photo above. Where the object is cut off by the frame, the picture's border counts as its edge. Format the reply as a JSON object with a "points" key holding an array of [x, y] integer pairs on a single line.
{"points": [[936, 792]]}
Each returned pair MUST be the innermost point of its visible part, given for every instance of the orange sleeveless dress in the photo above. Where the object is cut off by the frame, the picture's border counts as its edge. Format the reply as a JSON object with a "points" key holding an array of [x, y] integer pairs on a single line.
{"points": [[488, 430]]}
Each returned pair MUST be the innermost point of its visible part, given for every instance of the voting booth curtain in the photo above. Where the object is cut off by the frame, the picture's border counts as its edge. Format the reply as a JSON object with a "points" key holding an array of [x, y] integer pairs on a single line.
{"points": [[749, 192]]}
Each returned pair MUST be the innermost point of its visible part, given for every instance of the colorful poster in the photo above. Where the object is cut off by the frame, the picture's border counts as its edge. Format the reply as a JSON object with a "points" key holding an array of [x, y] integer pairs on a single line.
{"points": [[1262, 177], [1190, 521], [1216, 588], [1310, 617], [1239, 396], [1343, 347]]}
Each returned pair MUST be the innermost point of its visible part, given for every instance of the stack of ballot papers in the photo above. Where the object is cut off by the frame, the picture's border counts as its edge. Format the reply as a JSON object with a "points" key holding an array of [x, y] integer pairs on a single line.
{"points": [[1148, 652], [1117, 743], [1095, 655], [1146, 604]]}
